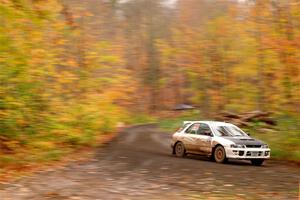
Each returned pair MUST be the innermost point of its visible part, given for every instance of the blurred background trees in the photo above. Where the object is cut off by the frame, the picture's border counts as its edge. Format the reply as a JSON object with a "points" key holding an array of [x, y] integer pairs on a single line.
{"points": [[72, 69]]}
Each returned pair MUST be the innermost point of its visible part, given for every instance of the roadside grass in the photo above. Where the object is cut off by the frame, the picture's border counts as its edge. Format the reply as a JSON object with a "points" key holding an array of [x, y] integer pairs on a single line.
{"points": [[140, 118], [35, 154], [173, 124], [60, 142], [41, 153], [31, 151], [284, 140]]}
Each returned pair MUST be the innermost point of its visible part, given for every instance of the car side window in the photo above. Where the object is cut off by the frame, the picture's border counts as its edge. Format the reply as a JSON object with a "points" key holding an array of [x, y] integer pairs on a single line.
{"points": [[183, 127], [204, 130], [193, 129]]}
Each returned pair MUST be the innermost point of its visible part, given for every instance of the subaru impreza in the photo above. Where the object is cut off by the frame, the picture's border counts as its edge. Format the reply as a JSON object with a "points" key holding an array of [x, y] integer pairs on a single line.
{"points": [[218, 140]]}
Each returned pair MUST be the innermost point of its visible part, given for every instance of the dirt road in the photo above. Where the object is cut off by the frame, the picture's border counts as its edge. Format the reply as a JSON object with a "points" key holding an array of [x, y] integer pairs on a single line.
{"points": [[139, 165]]}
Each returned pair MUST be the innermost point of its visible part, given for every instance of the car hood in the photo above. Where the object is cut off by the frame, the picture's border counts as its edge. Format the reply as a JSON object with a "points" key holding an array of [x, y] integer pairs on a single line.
{"points": [[245, 140]]}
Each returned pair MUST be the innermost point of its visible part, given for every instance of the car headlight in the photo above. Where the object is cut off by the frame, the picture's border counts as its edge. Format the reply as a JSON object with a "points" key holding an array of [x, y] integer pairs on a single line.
{"points": [[265, 146], [237, 146]]}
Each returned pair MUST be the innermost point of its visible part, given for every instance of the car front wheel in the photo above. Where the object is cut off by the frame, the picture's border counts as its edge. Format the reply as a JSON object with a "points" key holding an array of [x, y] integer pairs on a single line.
{"points": [[179, 149], [220, 154], [257, 162]]}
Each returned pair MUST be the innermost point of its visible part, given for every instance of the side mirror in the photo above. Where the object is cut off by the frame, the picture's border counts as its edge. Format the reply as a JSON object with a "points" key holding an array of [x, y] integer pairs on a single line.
{"points": [[248, 134]]}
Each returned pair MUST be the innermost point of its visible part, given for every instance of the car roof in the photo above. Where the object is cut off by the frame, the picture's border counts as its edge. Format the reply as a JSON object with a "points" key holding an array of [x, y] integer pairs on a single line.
{"points": [[212, 123]]}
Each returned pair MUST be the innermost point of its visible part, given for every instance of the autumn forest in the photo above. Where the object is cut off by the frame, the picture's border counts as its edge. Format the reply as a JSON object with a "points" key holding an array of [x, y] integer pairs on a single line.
{"points": [[72, 70]]}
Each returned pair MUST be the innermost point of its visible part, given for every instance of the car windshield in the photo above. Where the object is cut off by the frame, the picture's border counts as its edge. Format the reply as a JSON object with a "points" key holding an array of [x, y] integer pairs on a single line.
{"points": [[183, 127], [231, 131]]}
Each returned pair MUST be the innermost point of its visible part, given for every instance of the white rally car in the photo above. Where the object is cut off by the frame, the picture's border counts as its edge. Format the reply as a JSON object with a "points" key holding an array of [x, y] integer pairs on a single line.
{"points": [[219, 140]]}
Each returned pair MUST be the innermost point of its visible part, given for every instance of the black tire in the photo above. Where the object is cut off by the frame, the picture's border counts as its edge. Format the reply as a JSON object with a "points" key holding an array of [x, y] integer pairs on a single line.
{"points": [[219, 154], [179, 149], [257, 162]]}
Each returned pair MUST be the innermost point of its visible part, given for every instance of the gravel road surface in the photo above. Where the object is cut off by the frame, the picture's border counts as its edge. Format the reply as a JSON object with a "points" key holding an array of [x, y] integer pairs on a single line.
{"points": [[138, 165]]}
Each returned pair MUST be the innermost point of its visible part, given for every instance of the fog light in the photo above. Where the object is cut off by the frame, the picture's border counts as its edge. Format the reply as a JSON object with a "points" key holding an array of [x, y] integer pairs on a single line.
{"points": [[267, 153]]}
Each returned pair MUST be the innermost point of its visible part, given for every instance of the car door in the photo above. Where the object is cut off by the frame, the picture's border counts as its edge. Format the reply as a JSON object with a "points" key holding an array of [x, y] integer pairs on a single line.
{"points": [[189, 138], [204, 138]]}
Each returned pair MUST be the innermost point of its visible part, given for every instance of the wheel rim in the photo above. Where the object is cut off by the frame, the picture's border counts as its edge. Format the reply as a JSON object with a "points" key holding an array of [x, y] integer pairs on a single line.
{"points": [[179, 149], [219, 154]]}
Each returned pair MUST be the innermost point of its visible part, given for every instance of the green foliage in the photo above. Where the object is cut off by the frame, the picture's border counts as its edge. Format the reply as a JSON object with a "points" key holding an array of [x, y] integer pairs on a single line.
{"points": [[173, 124], [285, 141], [63, 82], [57, 91], [140, 118]]}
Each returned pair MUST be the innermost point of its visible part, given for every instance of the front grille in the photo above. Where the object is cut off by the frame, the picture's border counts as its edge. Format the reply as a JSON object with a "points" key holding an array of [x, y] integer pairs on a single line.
{"points": [[254, 153], [253, 146]]}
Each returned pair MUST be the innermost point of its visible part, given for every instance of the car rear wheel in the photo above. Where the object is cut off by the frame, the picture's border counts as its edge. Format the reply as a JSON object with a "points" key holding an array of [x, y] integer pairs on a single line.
{"points": [[257, 162], [220, 154], [179, 149]]}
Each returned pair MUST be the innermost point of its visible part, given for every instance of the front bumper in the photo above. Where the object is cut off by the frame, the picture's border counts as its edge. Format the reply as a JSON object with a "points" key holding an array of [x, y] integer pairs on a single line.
{"points": [[248, 153]]}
